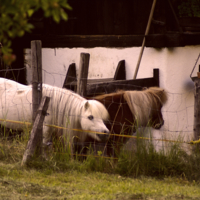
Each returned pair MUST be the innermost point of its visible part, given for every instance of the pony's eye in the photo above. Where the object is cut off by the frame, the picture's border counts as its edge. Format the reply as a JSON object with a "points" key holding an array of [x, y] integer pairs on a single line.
{"points": [[90, 117]]}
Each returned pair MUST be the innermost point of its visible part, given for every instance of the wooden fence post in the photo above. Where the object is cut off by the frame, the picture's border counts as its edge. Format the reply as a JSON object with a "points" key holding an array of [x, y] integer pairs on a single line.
{"points": [[156, 77], [197, 107], [35, 141], [36, 64], [70, 77], [83, 74]]}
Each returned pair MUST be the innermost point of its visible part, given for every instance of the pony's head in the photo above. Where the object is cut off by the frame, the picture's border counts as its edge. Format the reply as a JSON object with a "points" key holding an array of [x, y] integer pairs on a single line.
{"points": [[92, 116], [159, 98], [146, 106]]}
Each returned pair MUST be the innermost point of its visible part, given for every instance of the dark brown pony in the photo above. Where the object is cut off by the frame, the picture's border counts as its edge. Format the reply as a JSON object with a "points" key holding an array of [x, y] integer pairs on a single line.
{"points": [[130, 110]]}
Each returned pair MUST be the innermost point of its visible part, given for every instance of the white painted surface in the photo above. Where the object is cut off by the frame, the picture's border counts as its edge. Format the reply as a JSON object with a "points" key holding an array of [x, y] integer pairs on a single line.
{"points": [[175, 66]]}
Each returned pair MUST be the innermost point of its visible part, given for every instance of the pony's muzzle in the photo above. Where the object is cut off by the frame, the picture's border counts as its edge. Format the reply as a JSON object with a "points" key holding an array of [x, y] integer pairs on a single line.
{"points": [[159, 125], [104, 137]]}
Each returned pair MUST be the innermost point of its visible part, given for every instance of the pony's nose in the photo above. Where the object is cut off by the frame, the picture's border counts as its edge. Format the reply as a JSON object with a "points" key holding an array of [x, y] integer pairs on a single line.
{"points": [[104, 137], [158, 126]]}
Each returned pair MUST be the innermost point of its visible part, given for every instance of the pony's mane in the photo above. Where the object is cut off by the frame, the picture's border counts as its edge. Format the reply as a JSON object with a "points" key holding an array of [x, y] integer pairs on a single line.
{"points": [[110, 95], [51, 90], [64, 101], [142, 102], [156, 92]]}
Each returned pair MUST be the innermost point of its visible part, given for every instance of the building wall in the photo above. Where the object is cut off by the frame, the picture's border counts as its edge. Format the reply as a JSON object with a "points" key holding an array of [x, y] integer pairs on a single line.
{"points": [[175, 64]]}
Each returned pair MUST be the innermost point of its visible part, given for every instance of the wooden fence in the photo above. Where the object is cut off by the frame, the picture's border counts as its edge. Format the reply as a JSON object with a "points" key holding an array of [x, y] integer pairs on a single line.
{"points": [[94, 87]]}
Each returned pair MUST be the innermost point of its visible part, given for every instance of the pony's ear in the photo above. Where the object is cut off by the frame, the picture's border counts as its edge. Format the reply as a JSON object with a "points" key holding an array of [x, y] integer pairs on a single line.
{"points": [[86, 105]]}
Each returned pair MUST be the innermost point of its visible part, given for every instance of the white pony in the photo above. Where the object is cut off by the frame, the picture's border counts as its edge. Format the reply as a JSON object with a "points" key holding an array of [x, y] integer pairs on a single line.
{"points": [[66, 109]]}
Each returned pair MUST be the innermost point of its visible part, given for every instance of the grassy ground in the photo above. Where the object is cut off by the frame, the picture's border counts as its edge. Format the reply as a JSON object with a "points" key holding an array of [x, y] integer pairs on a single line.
{"points": [[145, 174], [16, 183]]}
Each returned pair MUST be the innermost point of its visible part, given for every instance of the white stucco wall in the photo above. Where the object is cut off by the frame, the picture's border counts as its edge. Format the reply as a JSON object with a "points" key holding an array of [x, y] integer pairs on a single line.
{"points": [[175, 66]]}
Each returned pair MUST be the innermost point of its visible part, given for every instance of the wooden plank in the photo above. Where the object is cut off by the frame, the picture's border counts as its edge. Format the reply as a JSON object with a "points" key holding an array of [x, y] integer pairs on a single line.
{"points": [[36, 65], [120, 73], [70, 78], [156, 40], [89, 82], [113, 86], [71, 81], [89, 41], [100, 80], [36, 136], [102, 88], [156, 77], [71, 41], [83, 74], [174, 39]]}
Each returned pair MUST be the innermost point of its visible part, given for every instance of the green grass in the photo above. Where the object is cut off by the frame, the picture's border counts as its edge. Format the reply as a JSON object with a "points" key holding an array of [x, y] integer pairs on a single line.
{"points": [[144, 174], [16, 183]]}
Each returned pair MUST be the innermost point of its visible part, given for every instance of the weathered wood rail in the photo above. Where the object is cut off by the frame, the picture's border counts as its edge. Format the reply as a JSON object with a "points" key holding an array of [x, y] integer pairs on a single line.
{"points": [[108, 85], [71, 79], [113, 86]]}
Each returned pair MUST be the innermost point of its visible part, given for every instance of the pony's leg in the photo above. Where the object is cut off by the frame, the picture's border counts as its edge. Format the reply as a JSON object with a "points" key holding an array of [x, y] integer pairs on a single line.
{"points": [[47, 145], [47, 135]]}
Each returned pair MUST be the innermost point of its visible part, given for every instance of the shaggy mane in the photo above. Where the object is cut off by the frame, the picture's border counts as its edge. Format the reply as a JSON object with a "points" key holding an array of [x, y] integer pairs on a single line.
{"points": [[141, 102], [111, 95], [155, 92], [65, 101]]}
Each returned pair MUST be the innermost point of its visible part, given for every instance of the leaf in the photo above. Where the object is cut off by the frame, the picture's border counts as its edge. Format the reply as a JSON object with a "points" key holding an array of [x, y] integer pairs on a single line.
{"points": [[47, 13], [56, 16], [28, 27], [63, 14], [45, 5], [20, 33], [66, 5], [11, 10], [10, 34], [9, 43], [6, 50], [30, 12]]}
